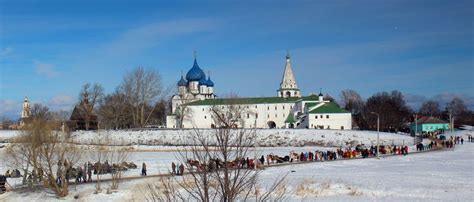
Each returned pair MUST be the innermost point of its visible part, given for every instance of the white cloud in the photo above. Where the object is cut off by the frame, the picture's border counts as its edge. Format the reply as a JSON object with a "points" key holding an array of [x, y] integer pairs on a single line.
{"points": [[10, 108], [415, 101], [61, 102], [45, 69], [150, 35]]}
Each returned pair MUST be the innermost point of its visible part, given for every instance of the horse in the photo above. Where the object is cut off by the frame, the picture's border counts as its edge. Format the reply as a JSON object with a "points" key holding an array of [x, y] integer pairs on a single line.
{"points": [[193, 163]]}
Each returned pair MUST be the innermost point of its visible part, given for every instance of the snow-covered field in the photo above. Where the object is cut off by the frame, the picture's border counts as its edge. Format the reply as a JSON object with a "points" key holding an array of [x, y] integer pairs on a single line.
{"points": [[433, 176]]}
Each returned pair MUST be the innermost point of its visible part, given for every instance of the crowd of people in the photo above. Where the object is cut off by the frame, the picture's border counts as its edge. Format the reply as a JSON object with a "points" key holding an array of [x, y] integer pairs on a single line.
{"points": [[360, 151]]}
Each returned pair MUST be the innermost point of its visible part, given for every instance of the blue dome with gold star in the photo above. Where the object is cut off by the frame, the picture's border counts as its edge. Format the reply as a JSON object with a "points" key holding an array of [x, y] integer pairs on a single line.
{"points": [[195, 73]]}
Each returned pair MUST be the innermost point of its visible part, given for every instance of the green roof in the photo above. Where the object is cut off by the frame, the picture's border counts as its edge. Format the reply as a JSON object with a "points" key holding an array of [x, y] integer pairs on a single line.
{"points": [[251, 100], [311, 104], [290, 118], [328, 108]]}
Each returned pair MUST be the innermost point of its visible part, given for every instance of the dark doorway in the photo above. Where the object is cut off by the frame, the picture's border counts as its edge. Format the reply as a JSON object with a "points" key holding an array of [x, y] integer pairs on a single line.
{"points": [[271, 124]]}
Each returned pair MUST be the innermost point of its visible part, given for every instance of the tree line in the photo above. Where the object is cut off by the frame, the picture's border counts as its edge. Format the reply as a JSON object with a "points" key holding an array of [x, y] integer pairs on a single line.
{"points": [[138, 101], [395, 114]]}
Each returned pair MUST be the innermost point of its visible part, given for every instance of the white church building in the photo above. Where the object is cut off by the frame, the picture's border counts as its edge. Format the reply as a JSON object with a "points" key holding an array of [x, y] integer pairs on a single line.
{"points": [[191, 107]]}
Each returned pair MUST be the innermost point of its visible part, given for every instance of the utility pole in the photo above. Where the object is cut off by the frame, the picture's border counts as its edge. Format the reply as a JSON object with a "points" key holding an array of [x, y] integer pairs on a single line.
{"points": [[255, 145], [416, 128], [378, 133]]}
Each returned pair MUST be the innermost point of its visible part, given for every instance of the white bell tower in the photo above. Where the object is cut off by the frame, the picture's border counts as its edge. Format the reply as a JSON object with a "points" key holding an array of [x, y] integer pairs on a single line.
{"points": [[25, 112], [288, 87]]}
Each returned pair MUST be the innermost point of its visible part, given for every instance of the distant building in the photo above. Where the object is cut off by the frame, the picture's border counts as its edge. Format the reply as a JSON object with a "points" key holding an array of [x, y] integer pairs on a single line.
{"points": [[191, 106], [428, 124], [83, 117], [25, 112]]}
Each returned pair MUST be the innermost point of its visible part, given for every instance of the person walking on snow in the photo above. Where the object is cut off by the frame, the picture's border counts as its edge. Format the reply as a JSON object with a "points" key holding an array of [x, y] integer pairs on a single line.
{"points": [[143, 169], [173, 167], [181, 169]]}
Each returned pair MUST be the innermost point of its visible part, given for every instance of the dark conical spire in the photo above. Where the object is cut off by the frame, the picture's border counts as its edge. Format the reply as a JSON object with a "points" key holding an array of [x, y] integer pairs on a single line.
{"points": [[320, 92], [287, 54]]}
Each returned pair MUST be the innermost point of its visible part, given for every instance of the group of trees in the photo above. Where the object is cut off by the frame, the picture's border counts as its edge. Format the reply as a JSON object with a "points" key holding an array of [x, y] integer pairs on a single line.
{"points": [[395, 114], [41, 152], [137, 102]]}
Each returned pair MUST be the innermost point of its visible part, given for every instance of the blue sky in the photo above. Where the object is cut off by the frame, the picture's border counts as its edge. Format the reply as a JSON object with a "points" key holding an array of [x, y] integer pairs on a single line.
{"points": [[48, 49]]}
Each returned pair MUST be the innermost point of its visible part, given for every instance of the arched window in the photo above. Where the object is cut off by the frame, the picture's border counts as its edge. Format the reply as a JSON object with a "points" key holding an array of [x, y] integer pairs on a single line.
{"points": [[288, 94]]}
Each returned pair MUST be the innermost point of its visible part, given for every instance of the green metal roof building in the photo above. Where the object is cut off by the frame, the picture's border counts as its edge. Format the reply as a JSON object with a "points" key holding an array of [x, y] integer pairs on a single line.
{"points": [[428, 124]]}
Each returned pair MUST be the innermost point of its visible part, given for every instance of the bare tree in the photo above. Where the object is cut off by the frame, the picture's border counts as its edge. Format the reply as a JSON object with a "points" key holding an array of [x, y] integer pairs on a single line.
{"points": [[329, 98], [44, 153], [99, 155], [115, 111], [184, 114], [430, 108], [352, 101], [117, 156], [141, 88], [166, 189], [394, 112], [89, 97], [40, 112], [457, 106]]}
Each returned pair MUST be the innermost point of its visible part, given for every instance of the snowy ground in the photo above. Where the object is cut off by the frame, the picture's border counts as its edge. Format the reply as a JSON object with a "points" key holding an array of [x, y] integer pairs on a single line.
{"points": [[432, 176]]}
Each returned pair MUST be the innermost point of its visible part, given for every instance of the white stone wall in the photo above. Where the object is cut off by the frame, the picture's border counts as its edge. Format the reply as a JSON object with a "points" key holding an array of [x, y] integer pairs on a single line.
{"points": [[200, 115], [333, 120]]}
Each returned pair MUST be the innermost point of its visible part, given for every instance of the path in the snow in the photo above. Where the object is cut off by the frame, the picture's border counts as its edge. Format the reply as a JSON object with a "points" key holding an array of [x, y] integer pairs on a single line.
{"points": [[264, 166]]}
